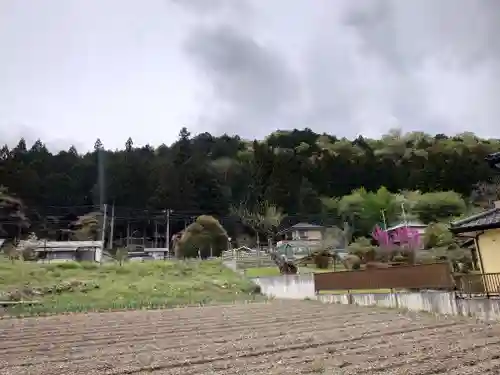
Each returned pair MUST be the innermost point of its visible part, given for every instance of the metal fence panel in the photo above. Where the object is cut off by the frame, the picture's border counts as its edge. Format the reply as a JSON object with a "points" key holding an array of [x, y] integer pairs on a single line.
{"points": [[473, 285], [425, 276]]}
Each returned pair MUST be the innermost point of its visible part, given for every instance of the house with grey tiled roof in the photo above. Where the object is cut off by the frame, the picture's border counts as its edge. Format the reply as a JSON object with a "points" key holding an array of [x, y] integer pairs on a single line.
{"points": [[300, 239], [302, 231], [484, 229]]}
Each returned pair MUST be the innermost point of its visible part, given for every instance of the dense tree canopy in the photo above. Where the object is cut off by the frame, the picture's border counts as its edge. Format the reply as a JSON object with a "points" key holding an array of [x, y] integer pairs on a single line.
{"points": [[309, 176]]}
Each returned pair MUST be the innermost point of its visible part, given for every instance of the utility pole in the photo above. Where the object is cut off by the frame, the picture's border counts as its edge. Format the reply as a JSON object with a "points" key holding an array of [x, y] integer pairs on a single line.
{"points": [[156, 234], [112, 230], [98, 254], [167, 211], [128, 233], [404, 214], [383, 219]]}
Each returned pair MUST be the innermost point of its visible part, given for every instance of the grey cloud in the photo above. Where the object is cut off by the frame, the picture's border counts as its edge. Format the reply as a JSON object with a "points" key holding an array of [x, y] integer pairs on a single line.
{"points": [[252, 83], [410, 31], [245, 73], [444, 56], [214, 7], [341, 66], [11, 134], [366, 66], [253, 86]]}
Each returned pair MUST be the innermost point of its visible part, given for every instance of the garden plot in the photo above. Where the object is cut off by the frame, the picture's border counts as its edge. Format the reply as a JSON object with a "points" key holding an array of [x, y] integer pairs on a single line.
{"points": [[278, 337]]}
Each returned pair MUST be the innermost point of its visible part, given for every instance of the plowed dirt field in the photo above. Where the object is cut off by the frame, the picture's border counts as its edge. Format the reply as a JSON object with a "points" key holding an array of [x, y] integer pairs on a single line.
{"points": [[279, 337]]}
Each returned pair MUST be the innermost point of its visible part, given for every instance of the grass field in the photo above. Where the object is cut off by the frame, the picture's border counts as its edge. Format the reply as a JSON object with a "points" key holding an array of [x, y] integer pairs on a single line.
{"points": [[81, 287]]}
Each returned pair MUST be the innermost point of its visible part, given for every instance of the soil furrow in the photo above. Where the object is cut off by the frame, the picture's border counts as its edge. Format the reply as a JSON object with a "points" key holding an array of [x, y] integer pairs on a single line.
{"points": [[122, 346], [173, 328], [276, 337], [211, 354]]}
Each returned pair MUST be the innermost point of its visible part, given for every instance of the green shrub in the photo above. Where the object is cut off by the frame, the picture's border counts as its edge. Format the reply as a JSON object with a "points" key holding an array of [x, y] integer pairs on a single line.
{"points": [[90, 265], [64, 266]]}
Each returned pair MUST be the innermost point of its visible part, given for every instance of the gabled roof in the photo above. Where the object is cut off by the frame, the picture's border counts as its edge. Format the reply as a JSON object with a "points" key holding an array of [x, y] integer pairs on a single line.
{"points": [[306, 226], [413, 224], [301, 226], [485, 220]]}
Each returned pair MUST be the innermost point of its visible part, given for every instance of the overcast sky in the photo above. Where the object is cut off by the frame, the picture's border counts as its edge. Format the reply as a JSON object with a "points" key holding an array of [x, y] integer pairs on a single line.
{"points": [[75, 70]]}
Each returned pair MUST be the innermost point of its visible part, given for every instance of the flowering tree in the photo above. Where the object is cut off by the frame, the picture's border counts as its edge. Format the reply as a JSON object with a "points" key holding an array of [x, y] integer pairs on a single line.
{"points": [[382, 237], [407, 239], [385, 242]]}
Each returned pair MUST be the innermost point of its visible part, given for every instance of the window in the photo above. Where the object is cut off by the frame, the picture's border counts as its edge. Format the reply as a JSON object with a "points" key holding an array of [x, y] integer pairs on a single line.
{"points": [[302, 234]]}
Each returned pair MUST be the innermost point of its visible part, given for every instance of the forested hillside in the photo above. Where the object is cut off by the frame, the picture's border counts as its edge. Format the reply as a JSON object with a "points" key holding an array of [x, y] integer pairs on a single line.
{"points": [[299, 171]]}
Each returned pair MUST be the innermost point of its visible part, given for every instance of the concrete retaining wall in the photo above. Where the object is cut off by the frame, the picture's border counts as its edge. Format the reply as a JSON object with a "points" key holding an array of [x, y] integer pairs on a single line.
{"points": [[287, 286], [433, 302]]}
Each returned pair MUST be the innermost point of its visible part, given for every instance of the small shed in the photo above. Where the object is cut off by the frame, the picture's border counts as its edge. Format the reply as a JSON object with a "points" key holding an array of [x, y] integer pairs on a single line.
{"points": [[157, 253], [64, 250]]}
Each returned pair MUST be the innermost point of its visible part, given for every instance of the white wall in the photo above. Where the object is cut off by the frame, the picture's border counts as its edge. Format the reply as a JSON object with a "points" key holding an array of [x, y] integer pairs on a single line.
{"points": [[287, 286], [444, 303]]}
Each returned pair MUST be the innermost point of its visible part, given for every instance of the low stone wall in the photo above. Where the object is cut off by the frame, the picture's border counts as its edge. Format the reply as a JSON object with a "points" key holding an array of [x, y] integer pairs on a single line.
{"points": [[287, 286], [444, 303]]}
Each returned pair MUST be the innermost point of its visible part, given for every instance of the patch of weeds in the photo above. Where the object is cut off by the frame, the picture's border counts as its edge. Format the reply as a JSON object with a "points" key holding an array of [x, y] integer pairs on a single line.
{"points": [[55, 274], [28, 292], [316, 367], [65, 266], [122, 270], [90, 266], [252, 289]]}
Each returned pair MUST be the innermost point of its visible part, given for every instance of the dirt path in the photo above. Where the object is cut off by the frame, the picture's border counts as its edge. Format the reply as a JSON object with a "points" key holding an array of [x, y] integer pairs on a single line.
{"points": [[280, 337]]}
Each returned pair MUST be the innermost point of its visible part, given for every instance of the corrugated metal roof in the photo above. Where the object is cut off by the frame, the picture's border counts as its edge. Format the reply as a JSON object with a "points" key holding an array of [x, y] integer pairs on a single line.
{"points": [[40, 245], [155, 249], [409, 224]]}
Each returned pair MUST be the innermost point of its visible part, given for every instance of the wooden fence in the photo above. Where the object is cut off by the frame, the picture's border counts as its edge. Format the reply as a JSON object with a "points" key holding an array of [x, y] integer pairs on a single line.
{"points": [[425, 276]]}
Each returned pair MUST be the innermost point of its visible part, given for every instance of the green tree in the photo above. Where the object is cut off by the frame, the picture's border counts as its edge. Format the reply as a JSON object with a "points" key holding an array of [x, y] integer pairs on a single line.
{"points": [[368, 209], [13, 219], [11, 251], [88, 227], [121, 255], [438, 235], [205, 237], [208, 174], [263, 218], [439, 206]]}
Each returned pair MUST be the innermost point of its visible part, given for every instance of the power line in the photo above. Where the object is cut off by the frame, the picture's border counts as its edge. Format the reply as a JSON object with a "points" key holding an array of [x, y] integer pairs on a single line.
{"points": [[179, 218]]}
